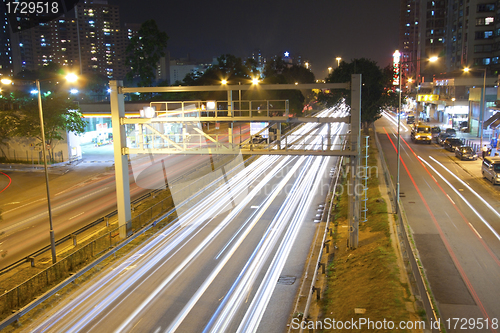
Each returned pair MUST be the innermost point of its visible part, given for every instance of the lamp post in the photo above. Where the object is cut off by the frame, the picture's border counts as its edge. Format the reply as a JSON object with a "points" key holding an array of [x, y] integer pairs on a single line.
{"points": [[338, 61], [483, 102], [44, 152], [432, 59], [69, 78]]}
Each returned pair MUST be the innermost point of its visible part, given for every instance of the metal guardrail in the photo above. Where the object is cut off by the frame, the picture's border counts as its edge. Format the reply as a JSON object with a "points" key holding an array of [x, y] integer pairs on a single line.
{"points": [[313, 288]]}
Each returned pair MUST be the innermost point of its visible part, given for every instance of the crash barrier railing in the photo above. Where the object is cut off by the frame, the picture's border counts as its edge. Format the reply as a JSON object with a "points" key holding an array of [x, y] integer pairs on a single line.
{"points": [[325, 246], [415, 271], [310, 284]]}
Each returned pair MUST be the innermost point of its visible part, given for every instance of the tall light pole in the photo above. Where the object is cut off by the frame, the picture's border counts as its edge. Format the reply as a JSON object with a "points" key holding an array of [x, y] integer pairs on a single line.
{"points": [[44, 151], [432, 59], [399, 141], [69, 78], [483, 102], [338, 61]]}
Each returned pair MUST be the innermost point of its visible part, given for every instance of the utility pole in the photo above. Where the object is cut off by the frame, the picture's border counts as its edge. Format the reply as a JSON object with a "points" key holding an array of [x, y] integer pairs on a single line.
{"points": [[355, 138]]}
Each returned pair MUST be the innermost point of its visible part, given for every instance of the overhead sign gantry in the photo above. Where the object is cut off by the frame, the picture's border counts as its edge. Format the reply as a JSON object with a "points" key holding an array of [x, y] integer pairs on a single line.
{"points": [[153, 137]]}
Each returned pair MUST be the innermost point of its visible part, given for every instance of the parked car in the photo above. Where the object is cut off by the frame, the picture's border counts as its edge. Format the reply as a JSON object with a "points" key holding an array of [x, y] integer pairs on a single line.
{"points": [[258, 139], [435, 132], [452, 143], [491, 169], [441, 137], [465, 153], [451, 132]]}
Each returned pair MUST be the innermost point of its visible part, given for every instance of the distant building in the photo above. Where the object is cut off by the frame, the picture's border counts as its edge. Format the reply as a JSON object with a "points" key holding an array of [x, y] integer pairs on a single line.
{"points": [[179, 68], [87, 40], [6, 65]]}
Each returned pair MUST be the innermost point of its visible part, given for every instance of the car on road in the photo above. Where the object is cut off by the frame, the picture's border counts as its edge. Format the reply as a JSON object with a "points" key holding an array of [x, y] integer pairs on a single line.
{"points": [[491, 169], [410, 119], [452, 143], [465, 153], [421, 133]]}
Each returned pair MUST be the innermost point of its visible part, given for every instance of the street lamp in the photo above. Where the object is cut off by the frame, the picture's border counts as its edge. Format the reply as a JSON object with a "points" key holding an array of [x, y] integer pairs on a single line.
{"points": [[483, 101], [397, 54], [338, 61], [69, 78]]}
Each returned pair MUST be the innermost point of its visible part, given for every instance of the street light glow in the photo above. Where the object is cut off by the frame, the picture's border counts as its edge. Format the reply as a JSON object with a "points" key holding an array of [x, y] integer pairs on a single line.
{"points": [[466, 69], [6, 81], [433, 59], [71, 77], [255, 80], [224, 81]]}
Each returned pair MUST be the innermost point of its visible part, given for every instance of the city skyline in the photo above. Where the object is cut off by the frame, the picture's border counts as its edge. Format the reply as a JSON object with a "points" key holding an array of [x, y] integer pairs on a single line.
{"points": [[319, 32]]}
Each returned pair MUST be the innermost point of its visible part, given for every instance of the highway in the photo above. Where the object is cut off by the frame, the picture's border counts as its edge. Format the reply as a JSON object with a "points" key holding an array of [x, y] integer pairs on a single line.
{"points": [[454, 215], [216, 268], [76, 200]]}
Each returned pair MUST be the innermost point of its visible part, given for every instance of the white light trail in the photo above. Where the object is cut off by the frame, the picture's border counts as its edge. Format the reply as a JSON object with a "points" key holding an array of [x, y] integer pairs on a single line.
{"points": [[462, 197], [468, 187], [394, 120]]}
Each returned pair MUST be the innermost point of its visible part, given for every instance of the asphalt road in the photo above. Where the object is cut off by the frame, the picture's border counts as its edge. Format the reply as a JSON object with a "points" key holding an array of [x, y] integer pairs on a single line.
{"points": [[78, 197], [217, 268], [454, 215]]}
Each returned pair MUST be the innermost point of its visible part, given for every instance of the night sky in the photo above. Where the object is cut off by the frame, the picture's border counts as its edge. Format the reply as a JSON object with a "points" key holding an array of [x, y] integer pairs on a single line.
{"points": [[319, 30]]}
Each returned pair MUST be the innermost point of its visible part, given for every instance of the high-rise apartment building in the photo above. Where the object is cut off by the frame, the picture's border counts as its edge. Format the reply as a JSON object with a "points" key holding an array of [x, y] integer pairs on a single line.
{"points": [[101, 42], [461, 33], [87, 40], [6, 64], [422, 35]]}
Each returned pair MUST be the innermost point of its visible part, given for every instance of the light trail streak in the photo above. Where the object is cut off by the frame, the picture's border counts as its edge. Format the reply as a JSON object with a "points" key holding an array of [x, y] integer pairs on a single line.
{"points": [[393, 120], [161, 249], [463, 198], [10, 181], [467, 186], [184, 312]]}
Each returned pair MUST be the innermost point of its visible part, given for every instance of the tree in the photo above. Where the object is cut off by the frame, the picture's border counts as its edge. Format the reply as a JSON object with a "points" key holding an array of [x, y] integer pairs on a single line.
{"points": [[8, 123], [278, 72], [373, 91], [144, 52], [60, 114]]}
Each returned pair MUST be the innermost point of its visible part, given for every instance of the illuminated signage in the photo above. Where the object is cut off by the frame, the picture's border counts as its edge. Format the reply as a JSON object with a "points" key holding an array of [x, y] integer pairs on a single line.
{"points": [[427, 98], [396, 68]]}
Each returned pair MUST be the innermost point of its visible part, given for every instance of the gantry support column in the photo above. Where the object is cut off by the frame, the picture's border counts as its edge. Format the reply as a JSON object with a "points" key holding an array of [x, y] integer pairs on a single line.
{"points": [[355, 137], [229, 103], [121, 160]]}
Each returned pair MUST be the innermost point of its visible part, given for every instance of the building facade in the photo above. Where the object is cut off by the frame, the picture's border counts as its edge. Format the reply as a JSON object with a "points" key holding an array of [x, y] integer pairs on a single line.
{"points": [[88, 39]]}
